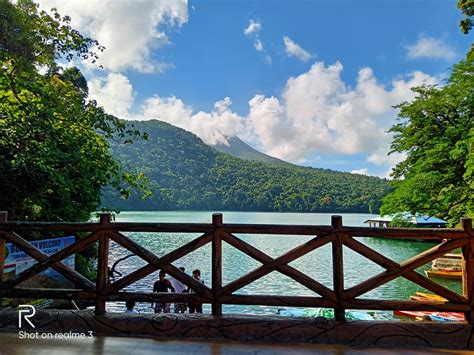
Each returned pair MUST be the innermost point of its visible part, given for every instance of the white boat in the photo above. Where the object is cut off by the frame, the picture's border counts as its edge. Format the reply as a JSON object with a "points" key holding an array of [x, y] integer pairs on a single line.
{"points": [[447, 266]]}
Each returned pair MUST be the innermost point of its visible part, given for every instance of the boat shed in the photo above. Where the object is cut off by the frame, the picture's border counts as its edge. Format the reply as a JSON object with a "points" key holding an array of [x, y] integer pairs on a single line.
{"points": [[417, 221]]}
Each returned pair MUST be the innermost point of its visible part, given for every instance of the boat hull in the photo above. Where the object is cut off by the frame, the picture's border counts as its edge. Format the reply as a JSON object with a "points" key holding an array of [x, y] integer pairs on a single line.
{"points": [[445, 274]]}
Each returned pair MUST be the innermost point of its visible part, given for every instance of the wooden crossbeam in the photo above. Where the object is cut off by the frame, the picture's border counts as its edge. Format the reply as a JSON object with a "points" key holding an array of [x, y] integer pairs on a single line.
{"points": [[270, 264], [38, 255], [156, 263], [405, 269], [54, 258]]}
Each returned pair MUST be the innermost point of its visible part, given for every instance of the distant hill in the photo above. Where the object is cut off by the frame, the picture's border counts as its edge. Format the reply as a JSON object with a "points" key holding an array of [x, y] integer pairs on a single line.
{"points": [[185, 173], [239, 149]]}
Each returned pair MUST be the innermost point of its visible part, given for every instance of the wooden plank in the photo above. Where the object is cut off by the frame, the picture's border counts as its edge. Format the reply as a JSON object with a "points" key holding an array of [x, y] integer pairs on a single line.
{"points": [[47, 293], [56, 257], [102, 272], [407, 305], [279, 301], [75, 294], [216, 260], [157, 263], [468, 268], [198, 287], [268, 266], [37, 254], [434, 287], [115, 226], [338, 269], [404, 268], [370, 253], [3, 220], [129, 279]]}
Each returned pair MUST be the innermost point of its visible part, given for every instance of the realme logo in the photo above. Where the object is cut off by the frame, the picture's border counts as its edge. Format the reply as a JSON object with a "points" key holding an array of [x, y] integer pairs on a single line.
{"points": [[26, 314]]}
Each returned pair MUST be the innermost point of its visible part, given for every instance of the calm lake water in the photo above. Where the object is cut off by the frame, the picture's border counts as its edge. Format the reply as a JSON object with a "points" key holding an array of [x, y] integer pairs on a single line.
{"points": [[317, 264]]}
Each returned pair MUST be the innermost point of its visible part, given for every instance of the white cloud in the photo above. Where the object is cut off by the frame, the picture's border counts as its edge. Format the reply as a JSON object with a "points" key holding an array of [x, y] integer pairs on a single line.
{"points": [[212, 127], [363, 171], [253, 31], [294, 50], [254, 27], [258, 45], [318, 112], [430, 47], [114, 93], [128, 29]]}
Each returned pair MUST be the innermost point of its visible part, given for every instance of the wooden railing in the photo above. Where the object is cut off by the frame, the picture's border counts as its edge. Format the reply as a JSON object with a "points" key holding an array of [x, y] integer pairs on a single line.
{"points": [[339, 298]]}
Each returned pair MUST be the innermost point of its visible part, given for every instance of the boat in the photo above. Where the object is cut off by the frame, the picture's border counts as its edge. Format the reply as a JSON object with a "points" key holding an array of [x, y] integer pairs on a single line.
{"points": [[448, 266], [430, 297], [322, 312], [445, 274], [432, 316]]}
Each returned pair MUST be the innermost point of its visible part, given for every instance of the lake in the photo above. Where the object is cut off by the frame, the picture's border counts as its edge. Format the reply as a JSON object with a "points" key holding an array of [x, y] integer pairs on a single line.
{"points": [[317, 264]]}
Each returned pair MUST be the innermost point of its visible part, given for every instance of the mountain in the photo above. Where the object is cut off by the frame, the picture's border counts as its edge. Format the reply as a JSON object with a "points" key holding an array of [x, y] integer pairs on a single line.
{"points": [[185, 173], [239, 149]]}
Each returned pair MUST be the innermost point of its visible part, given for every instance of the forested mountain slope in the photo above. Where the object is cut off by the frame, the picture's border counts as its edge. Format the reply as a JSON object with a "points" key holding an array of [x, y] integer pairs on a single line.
{"points": [[185, 173], [239, 149]]}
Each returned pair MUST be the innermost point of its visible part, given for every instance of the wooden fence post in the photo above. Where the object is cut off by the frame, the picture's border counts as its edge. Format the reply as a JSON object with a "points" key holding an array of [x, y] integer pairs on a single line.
{"points": [[338, 269], [102, 265], [468, 268], [216, 265], [3, 219]]}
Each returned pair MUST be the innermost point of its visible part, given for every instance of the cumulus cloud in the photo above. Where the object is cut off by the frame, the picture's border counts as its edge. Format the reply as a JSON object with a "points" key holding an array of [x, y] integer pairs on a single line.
{"points": [[114, 93], [254, 27], [429, 47], [319, 112], [212, 127], [316, 113], [128, 30], [294, 50]]}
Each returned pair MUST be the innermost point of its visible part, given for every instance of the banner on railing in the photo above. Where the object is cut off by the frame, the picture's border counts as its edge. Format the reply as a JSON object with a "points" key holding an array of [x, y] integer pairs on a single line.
{"points": [[17, 260]]}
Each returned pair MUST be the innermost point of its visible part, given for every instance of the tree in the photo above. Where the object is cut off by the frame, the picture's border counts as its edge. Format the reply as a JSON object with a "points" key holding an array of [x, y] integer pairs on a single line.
{"points": [[467, 8], [436, 132], [54, 153]]}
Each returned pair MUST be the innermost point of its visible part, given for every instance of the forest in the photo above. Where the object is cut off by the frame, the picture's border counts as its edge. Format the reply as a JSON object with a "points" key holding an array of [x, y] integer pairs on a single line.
{"points": [[185, 173]]}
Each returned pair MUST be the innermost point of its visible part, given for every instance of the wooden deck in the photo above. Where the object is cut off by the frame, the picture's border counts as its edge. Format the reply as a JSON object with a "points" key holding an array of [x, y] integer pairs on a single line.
{"points": [[238, 328], [11, 345]]}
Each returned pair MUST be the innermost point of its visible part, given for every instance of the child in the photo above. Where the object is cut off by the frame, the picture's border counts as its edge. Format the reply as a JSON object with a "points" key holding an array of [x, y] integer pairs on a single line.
{"points": [[130, 305], [196, 306]]}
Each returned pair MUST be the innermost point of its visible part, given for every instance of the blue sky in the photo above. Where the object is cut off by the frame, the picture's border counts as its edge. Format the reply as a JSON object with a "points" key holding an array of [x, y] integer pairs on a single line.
{"points": [[311, 82]]}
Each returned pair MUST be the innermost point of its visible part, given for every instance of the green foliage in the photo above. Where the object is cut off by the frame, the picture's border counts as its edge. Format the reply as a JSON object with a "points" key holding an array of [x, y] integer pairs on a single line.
{"points": [[467, 8], [187, 174], [54, 155], [436, 131]]}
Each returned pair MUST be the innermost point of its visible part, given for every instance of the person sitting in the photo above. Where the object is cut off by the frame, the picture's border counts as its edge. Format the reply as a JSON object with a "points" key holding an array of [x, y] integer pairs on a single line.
{"points": [[162, 285]]}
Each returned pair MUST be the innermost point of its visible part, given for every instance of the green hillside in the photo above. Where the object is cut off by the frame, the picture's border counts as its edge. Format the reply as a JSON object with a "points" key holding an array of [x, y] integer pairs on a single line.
{"points": [[185, 173]]}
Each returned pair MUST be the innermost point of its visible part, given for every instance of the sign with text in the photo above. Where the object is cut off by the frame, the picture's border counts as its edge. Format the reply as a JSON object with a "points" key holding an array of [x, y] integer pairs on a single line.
{"points": [[17, 260]]}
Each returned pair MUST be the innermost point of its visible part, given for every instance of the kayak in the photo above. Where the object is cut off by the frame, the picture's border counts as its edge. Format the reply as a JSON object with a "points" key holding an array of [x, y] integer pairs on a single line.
{"points": [[432, 316], [430, 296], [322, 312]]}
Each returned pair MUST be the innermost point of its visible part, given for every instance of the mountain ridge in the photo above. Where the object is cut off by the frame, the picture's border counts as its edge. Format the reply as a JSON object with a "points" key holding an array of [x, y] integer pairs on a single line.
{"points": [[239, 149], [186, 174]]}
